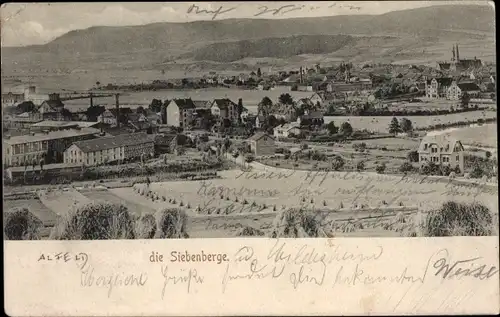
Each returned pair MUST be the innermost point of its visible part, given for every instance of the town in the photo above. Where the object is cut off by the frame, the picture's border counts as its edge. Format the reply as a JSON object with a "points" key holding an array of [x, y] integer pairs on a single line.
{"points": [[156, 146]]}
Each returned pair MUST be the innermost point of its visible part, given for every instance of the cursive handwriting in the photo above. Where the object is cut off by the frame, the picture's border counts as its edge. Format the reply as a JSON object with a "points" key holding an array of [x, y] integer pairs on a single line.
{"points": [[283, 9], [463, 268], [111, 281], [184, 277], [209, 189], [215, 13]]}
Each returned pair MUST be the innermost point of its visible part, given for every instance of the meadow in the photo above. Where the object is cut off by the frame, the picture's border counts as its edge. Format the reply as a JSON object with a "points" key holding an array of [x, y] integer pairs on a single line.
{"points": [[381, 124]]}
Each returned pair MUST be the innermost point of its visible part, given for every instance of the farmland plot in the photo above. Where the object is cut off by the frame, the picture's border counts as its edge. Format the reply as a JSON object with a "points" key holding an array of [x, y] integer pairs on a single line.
{"points": [[381, 124], [62, 201]]}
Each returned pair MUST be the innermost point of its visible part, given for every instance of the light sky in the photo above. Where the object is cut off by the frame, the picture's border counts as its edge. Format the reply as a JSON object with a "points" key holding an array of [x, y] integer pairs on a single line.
{"points": [[39, 23]]}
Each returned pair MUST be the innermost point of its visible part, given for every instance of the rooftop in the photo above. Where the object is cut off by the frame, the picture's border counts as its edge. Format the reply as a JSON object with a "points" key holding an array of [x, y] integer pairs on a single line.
{"points": [[64, 124], [444, 141], [258, 136], [106, 143], [62, 134]]}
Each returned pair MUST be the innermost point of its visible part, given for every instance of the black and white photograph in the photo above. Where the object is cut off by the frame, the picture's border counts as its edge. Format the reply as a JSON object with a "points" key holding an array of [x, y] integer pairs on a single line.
{"points": [[179, 120]]}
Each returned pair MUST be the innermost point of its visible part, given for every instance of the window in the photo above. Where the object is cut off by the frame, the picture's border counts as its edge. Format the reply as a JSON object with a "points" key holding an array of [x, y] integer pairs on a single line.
{"points": [[457, 158]]}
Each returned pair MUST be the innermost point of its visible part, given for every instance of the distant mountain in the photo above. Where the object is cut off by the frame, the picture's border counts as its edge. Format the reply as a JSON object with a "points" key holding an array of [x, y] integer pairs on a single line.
{"points": [[160, 42]]}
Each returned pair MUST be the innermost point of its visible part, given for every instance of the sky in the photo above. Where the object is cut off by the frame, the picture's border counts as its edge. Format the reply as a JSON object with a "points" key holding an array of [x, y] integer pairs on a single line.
{"points": [[38, 23]]}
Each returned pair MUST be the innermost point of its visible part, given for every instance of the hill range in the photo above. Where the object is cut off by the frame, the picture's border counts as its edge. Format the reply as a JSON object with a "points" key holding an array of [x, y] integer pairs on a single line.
{"points": [[417, 35]]}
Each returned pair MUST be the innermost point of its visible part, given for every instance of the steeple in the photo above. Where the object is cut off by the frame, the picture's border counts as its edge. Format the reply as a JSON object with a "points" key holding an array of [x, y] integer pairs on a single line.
{"points": [[453, 51], [458, 55]]}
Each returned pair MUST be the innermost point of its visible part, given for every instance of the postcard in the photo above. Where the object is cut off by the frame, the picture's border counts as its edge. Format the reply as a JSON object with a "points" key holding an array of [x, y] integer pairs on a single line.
{"points": [[250, 158]]}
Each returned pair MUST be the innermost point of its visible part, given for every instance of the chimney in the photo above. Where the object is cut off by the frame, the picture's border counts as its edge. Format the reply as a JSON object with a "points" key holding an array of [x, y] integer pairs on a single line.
{"points": [[117, 110]]}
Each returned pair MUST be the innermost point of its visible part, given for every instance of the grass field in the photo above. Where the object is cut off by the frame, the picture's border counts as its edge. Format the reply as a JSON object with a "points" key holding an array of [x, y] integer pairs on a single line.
{"points": [[484, 135], [381, 124]]}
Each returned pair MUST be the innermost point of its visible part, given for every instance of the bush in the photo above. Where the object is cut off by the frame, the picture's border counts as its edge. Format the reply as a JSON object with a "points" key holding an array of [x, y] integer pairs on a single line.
{"points": [[295, 223], [249, 232], [172, 223], [380, 168], [21, 224], [337, 163], [412, 156], [360, 166], [406, 167], [459, 219], [145, 227], [96, 221]]}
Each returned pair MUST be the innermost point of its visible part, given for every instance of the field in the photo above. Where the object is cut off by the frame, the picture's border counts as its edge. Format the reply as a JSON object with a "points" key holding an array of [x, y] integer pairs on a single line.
{"points": [[484, 135], [381, 124]]}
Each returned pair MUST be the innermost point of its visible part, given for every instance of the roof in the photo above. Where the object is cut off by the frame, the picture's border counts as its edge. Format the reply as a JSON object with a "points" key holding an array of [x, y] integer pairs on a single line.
{"points": [[288, 126], [201, 104], [444, 141], [54, 103], [443, 81], [223, 103], [468, 86], [313, 115], [184, 103], [106, 143], [62, 134], [259, 135]]}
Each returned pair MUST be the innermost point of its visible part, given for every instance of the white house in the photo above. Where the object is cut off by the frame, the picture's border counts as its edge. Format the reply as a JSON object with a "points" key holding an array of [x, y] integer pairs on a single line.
{"points": [[287, 129], [225, 109], [180, 112]]}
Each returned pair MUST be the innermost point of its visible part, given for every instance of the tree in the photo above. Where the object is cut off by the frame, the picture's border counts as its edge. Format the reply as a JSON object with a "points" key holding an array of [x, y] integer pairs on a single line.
{"points": [[93, 112], [155, 105], [406, 167], [332, 129], [406, 125], [26, 106], [488, 154], [259, 73], [264, 106], [360, 166], [140, 110], [346, 129], [380, 168], [239, 109], [286, 99], [394, 126], [337, 163], [465, 99], [412, 156]]}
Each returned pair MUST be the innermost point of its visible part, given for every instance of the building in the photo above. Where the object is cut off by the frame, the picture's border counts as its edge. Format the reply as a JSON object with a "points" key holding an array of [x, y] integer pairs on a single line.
{"points": [[436, 88], [441, 150], [286, 130], [455, 91], [21, 121], [52, 109], [312, 118], [180, 112], [105, 150], [262, 144], [51, 125], [225, 109], [22, 150], [108, 117], [458, 64], [11, 99], [259, 121]]}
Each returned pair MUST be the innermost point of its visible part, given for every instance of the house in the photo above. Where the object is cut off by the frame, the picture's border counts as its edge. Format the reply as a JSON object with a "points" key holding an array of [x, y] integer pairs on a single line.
{"points": [[225, 109], [107, 117], [286, 130], [442, 150], [455, 91], [52, 108], [437, 87], [180, 112], [110, 149], [316, 99], [312, 118], [259, 121], [262, 144], [24, 149], [23, 120], [168, 142], [12, 99]]}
